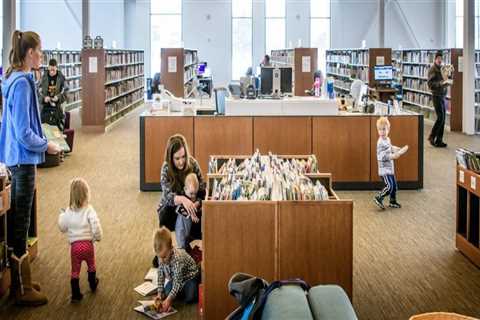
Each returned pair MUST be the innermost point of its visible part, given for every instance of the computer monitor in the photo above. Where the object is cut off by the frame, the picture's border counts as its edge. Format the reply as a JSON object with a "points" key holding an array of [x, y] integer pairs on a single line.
{"points": [[383, 74], [266, 80], [286, 80], [201, 69]]}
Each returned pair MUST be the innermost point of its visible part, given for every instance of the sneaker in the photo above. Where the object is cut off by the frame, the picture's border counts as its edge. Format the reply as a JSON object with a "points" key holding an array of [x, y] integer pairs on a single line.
{"points": [[379, 202], [441, 144], [394, 204]]}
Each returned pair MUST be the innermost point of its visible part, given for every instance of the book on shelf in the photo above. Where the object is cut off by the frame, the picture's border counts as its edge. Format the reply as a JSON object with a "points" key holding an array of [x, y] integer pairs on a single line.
{"points": [[122, 57], [267, 177], [468, 159], [148, 308]]}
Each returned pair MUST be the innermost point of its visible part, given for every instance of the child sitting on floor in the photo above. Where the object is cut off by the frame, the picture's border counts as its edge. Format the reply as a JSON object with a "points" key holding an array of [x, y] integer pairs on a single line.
{"points": [[176, 266], [82, 226], [183, 225]]}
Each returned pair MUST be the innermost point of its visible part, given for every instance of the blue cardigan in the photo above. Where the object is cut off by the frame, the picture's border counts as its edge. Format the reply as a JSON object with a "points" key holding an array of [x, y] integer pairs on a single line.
{"points": [[21, 136]]}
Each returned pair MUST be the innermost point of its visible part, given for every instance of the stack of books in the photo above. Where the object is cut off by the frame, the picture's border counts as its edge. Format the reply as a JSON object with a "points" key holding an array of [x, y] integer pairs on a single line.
{"points": [[468, 159]]}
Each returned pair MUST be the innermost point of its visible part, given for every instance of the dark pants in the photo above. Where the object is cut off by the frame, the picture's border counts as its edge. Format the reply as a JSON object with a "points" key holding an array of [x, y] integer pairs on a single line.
{"points": [[439, 126], [390, 187], [167, 217], [53, 116], [189, 292], [18, 217]]}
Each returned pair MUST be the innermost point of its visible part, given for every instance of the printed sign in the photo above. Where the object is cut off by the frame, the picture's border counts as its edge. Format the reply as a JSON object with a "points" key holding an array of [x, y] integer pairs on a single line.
{"points": [[92, 65], [461, 176], [306, 64], [380, 61], [172, 64]]}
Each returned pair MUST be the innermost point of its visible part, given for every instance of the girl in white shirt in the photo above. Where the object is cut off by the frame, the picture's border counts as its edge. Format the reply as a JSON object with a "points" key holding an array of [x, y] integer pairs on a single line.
{"points": [[82, 226]]}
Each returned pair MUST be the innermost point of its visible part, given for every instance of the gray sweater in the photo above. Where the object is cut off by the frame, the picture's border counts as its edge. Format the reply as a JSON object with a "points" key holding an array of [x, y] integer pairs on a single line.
{"points": [[384, 157]]}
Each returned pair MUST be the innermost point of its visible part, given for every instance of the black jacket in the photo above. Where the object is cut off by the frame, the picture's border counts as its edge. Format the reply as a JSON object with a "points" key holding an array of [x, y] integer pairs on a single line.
{"points": [[435, 80], [60, 90]]}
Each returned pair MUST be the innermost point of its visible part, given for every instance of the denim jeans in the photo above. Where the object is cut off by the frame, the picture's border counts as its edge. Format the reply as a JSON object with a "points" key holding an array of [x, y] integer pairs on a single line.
{"points": [[18, 217], [189, 292], [183, 226]]}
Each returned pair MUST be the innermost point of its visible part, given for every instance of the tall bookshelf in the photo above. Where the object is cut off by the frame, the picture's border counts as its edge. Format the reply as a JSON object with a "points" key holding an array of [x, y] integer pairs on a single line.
{"points": [[112, 85], [178, 69], [294, 58], [343, 63], [414, 65], [69, 63], [477, 91]]}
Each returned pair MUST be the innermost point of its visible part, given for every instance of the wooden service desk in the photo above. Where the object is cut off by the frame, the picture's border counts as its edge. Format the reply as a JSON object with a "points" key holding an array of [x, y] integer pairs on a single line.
{"points": [[344, 144]]}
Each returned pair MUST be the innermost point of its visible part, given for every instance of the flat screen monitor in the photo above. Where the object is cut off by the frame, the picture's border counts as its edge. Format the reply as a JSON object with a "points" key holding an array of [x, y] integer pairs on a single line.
{"points": [[220, 101], [266, 81], [286, 80], [201, 69], [383, 73]]}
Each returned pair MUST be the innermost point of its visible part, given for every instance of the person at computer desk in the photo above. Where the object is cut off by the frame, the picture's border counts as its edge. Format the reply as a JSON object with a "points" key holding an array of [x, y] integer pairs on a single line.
{"points": [[266, 61]]}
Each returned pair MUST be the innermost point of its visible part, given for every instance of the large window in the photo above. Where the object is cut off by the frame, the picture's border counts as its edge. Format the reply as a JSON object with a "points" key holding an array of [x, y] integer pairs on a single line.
{"points": [[274, 25], [241, 37], [459, 24], [166, 29], [320, 29]]}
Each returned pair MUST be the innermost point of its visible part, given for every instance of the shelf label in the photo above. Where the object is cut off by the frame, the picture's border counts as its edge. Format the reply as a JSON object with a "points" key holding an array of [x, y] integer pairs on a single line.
{"points": [[92, 65], [306, 64], [473, 183], [461, 176], [172, 64]]}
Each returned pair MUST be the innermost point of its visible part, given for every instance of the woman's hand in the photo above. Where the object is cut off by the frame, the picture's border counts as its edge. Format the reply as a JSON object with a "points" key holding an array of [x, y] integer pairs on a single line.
{"points": [[53, 148], [189, 206], [194, 218]]}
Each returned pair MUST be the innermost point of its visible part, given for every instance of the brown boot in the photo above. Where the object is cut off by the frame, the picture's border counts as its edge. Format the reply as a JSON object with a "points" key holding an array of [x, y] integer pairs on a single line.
{"points": [[25, 294]]}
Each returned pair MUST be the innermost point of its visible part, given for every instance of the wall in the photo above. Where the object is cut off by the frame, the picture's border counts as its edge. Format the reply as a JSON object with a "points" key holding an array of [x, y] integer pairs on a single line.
{"points": [[137, 27], [107, 19], [298, 23], [55, 21]]}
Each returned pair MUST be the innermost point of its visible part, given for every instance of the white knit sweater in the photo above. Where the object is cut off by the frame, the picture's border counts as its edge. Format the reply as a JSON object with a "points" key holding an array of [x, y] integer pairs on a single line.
{"points": [[81, 224]]}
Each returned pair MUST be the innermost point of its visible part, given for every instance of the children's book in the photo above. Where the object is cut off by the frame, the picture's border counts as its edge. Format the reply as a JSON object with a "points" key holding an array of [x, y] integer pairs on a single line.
{"points": [[147, 288], [152, 275], [147, 308]]}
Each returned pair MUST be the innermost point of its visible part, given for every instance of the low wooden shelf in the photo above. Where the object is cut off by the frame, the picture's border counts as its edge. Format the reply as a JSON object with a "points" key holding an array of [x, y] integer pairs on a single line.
{"points": [[312, 240], [468, 214]]}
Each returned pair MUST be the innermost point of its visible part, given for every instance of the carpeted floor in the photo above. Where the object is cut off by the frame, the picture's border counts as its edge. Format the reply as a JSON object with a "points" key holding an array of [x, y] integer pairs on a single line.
{"points": [[405, 260]]}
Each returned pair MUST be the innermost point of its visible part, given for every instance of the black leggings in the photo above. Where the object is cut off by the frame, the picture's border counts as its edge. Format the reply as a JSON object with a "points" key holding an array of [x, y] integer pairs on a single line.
{"points": [[18, 217]]}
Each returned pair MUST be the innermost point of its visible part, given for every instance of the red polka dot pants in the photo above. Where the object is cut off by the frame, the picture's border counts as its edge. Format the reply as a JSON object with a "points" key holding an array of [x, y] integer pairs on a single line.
{"points": [[82, 251]]}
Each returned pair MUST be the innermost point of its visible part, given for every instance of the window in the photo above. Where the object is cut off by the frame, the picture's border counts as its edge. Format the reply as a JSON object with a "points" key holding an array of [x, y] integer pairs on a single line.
{"points": [[274, 25], [241, 37], [320, 29], [459, 24], [166, 29]]}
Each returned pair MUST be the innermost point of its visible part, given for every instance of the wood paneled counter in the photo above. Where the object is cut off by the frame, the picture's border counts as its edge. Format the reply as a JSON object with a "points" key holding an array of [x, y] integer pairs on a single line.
{"points": [[344, 145]]}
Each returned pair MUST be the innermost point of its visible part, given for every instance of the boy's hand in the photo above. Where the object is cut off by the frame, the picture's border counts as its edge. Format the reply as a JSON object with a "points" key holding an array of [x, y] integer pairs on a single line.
{"points": [[158, 304], [395, 155], [167, 304]]}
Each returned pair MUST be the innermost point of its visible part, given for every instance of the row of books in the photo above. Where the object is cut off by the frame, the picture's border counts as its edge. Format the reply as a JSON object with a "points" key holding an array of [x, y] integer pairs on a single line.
{"points": [[114, 58], [73, 96], [73, 84], [124, 72], [118, 105], [417, 71], [284, 57], [416, 84], [468, 159], [189, 74], [190, 57], [424, 56], [348, 56], [62, 57], [477, 71], [418, 98], [342, 84], [122, 87], [477, 56]]}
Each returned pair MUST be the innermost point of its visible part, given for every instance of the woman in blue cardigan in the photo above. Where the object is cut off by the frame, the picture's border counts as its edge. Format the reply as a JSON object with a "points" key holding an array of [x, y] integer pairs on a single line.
{"points": [[22, 147]]}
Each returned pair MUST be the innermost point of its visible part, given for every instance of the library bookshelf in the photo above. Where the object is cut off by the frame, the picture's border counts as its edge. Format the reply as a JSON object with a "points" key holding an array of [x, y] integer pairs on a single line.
{"points": [[178, 69], [112, 86]]}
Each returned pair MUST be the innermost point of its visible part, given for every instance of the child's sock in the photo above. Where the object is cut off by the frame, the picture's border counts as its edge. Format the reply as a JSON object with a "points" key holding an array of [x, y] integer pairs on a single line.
{"points": [[379, 202], [93, 280], [76, 294]]}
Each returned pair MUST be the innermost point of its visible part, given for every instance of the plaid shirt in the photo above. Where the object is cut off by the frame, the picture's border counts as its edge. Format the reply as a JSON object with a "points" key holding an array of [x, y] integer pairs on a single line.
{"points": [[179, 269]]}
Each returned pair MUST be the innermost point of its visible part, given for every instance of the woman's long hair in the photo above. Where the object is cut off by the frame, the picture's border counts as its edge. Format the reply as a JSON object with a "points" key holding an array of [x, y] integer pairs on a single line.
{"points": [[177, 177], [21, 43]]}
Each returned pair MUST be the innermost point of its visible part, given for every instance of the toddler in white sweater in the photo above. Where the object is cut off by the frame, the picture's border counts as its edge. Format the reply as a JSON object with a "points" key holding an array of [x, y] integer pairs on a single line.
{"points": [[80, 222]]}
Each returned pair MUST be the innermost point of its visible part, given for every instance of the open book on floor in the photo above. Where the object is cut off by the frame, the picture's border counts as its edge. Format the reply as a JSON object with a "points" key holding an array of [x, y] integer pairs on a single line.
{"points": [[150, 286], [147, 308]]}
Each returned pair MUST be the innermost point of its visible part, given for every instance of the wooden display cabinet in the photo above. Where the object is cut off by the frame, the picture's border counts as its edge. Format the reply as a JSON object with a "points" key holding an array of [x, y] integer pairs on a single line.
{"points": [[312, 240]]}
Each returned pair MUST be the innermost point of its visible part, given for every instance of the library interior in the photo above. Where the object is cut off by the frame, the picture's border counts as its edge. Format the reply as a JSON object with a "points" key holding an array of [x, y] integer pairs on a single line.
{"points": [[240, 159]]}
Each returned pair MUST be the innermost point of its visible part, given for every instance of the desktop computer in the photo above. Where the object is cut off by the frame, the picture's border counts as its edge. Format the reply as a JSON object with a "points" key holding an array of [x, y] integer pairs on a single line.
{"points": [[383, 75], [275, 81]]}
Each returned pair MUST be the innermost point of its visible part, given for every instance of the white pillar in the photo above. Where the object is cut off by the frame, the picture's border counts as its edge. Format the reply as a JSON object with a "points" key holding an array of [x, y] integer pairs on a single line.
{"points": [[468, 66], [381, 23], [9, 23], [85, 19]]}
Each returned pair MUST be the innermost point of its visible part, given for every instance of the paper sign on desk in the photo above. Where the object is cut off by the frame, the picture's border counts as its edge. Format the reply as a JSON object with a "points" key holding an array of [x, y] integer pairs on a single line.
{"points": [[92, 65], [473, 183], [172, 64], [461, 176], [306, 64]]}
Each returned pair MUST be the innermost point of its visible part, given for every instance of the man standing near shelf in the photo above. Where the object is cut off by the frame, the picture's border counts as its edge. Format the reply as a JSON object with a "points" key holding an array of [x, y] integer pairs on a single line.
{"points": [[52, 95], [438, 85]]}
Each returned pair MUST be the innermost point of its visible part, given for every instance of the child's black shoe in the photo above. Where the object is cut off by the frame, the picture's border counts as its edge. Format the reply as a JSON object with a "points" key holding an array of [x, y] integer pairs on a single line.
{"points": [[394, 204], [93, 281], [379, 202], [77, 296], [155, 262]]}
